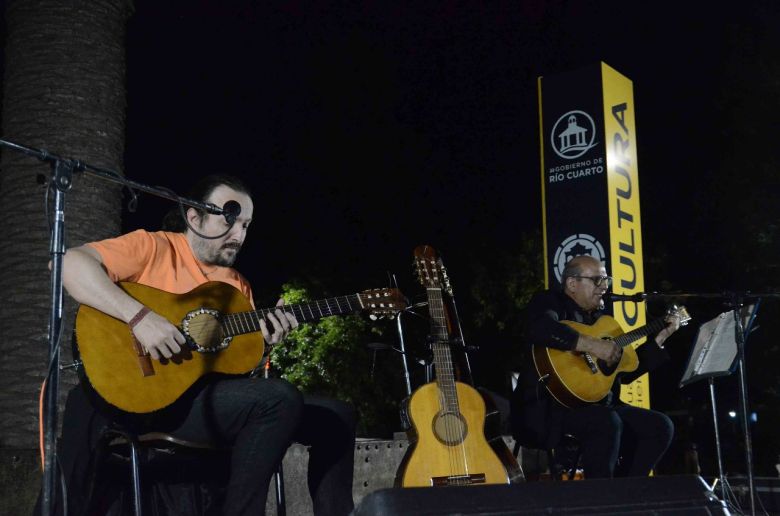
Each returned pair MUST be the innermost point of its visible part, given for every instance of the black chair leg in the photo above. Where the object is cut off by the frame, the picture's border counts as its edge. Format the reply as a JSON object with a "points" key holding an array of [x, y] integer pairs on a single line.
{"points": [[281, 507], [136, 468]]}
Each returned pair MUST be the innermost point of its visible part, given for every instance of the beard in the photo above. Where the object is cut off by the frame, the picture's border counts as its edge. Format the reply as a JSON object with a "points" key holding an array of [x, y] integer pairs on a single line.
{"points": [[210, 253]]}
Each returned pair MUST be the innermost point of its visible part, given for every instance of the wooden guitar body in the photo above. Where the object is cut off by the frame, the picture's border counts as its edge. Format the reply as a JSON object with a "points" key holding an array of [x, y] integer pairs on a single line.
{"points": [[222, 333], [571, 381], [576, 379], [113, 367], [449, 448]]}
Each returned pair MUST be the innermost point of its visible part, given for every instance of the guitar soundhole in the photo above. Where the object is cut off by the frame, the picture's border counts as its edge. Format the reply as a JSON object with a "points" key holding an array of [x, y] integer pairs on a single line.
{"points": [[204, 331], [450, 428]]}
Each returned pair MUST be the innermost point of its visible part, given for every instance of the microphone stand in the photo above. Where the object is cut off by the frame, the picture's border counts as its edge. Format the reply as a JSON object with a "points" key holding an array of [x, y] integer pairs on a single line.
{"points": [[62, 173], [734, 301], [410, 309]]}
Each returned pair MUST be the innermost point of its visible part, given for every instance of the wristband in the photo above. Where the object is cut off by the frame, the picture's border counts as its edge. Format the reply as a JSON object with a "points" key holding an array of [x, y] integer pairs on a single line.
{"points": [[137, 317]]}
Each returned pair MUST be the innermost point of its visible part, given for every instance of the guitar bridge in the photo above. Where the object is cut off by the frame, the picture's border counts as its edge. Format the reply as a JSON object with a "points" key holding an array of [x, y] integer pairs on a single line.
{"points": [[458, 480]]}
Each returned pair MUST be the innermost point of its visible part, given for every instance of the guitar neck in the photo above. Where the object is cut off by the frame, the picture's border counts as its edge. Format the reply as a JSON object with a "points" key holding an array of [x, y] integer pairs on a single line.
{"points": [[635, 335], [442, 357], [240, 323], [438, 317]]}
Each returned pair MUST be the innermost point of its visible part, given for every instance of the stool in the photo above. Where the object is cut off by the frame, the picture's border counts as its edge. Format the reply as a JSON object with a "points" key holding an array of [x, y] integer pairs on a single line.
{"points": [[563, 460], [143, 448]]}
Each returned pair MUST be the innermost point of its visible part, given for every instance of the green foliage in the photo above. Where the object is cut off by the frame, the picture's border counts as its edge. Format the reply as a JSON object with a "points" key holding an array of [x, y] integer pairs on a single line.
{"points": [[504, 283], [330, 357]]}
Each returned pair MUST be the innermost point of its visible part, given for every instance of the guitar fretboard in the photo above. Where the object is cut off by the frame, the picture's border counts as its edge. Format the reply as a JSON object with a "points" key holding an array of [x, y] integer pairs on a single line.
{"points": [[634, 335], [246, 322], [442, 358]]}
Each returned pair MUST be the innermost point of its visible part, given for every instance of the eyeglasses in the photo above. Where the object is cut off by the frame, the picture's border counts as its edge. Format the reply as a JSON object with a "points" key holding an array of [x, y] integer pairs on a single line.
{"points": [[599, 281]]}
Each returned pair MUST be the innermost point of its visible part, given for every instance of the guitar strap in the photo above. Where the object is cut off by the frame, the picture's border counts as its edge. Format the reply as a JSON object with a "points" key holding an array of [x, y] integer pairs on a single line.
{"points": [[143, 357], [144, 360]]}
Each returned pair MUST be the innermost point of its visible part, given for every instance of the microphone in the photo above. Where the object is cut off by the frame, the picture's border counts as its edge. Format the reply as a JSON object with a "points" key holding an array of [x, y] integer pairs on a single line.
{"points": [[231, 210], [636, 298]]}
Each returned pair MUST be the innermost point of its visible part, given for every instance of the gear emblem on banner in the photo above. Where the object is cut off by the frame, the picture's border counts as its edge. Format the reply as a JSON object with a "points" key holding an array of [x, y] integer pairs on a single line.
{"points": [[577, 245]]}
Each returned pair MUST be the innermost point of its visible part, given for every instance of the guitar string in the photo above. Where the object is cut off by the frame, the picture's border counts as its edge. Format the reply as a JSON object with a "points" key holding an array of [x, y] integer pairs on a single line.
{"points": [[441, 375], [452, 424], [237, 323], [634, 335], [436, 315], [448, 430]]}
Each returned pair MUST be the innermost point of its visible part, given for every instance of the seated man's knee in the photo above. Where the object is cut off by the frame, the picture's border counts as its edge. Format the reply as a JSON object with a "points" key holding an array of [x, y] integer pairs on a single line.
{"points": [[327, 419], [611, 426], [277, 395], [665, 430]]}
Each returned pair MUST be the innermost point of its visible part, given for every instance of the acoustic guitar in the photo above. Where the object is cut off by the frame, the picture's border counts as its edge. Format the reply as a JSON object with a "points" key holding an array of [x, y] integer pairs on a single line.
{"points": [[222, 333], [575, 379], [447, 416]]}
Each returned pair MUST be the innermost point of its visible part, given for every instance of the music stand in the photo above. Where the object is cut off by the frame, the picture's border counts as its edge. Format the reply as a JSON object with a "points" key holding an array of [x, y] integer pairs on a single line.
{"points": [[716, 354]]}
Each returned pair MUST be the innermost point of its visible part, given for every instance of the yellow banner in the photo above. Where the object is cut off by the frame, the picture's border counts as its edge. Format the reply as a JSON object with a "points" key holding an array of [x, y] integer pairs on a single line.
{"points": [[625, 226]]}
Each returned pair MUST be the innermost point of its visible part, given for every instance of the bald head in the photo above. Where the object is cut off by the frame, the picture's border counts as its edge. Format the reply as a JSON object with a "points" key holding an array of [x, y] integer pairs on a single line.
{"points": [[578, 263]]}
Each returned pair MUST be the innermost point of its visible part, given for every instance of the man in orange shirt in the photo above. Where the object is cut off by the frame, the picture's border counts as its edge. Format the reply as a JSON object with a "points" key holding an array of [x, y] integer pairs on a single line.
{"points": [[258, 418]]}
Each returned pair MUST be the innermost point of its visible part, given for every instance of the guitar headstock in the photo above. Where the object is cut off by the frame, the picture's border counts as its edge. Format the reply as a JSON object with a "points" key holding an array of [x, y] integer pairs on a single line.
{"points": [[681, 312], [382, 302], [430, 269]]}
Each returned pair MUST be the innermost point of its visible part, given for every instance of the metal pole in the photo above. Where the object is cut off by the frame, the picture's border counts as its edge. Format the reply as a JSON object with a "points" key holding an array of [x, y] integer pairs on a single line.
{"points": [[403, 353], [717, 439], [61, 180], [739, 332]]}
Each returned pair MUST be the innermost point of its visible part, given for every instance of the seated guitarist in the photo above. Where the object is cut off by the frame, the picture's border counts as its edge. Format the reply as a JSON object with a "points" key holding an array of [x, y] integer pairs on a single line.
{"points": [[257, 418], [610, 429]]}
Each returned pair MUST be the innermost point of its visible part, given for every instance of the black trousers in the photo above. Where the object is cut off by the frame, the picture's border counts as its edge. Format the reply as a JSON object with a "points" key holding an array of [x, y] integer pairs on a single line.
{"points": [[257, 418], [634, 436]]}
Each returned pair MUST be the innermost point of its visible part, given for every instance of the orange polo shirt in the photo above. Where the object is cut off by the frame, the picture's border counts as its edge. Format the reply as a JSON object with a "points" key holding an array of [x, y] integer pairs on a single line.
{"points": [[162, 260]]}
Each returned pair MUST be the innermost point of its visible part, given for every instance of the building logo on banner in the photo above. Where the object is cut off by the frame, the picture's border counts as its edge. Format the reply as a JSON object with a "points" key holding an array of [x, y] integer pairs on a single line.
{"points": [[573, 135], [577, 245]]}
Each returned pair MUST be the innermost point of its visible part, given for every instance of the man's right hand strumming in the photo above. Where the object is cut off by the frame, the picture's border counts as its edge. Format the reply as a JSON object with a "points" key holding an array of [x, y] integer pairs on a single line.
{"points": [[158, 336], [606, 350]]}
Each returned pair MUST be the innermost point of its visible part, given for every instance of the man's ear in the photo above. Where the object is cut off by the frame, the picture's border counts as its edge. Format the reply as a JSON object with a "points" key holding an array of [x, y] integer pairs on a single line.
{"points": [[193, 217]]}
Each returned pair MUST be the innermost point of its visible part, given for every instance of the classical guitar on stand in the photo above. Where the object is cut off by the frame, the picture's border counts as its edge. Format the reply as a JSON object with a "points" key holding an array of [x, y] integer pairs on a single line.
{"points": [[575, 379], [447, 416], [222, 333]]}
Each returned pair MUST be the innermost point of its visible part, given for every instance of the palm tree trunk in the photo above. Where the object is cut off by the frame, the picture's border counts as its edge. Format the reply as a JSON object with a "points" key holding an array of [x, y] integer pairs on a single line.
{"points": [[64, 91]]}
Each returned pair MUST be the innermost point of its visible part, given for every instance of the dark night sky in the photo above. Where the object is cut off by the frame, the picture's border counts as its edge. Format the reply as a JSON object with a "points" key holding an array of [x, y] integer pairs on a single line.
{"points": [[367, 131]]}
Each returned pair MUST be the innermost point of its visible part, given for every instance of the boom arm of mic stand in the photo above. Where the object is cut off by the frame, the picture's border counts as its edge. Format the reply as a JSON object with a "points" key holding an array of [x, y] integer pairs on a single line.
{"points": [[64, 181]]}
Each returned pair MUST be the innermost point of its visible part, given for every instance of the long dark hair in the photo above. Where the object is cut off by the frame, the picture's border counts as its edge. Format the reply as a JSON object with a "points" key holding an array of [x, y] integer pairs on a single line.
{"points": [[200, 191]]}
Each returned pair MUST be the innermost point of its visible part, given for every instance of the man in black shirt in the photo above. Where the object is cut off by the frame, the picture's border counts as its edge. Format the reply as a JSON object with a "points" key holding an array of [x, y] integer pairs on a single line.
{"points": [[608, 430]]}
